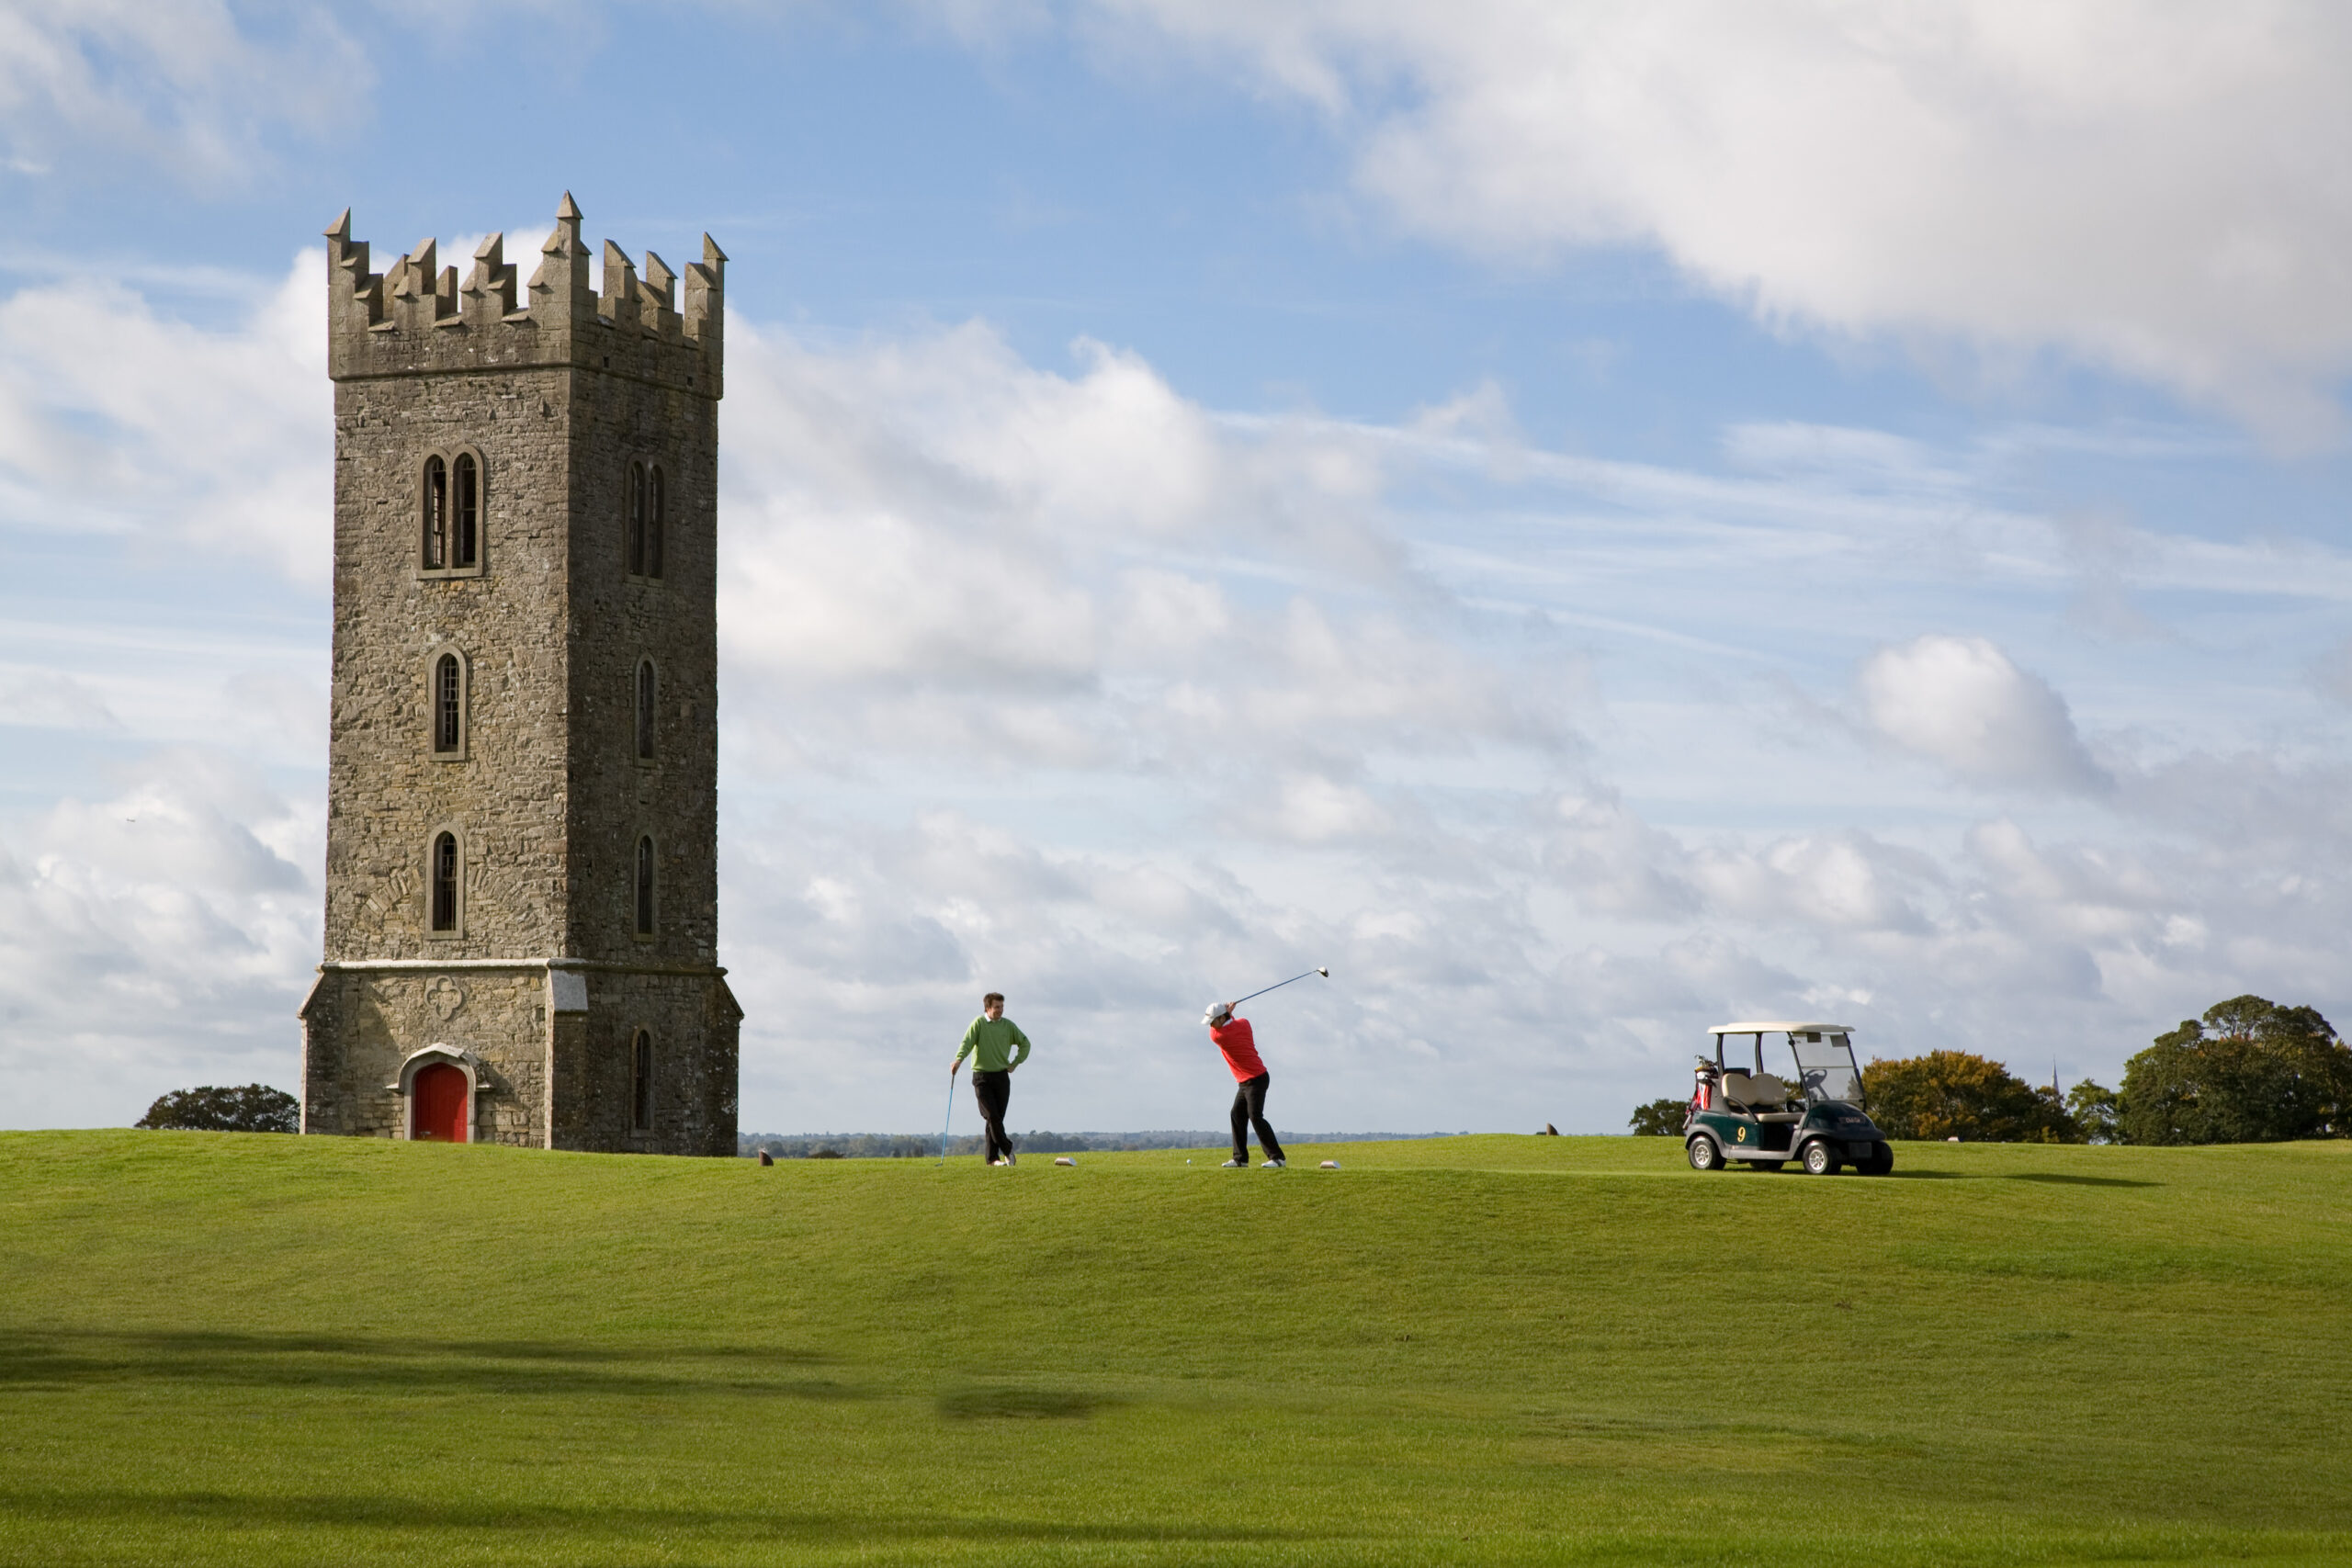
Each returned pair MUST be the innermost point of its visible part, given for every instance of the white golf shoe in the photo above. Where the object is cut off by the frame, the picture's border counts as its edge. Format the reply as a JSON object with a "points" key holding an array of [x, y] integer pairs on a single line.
{"points": [[1235, 1165], [1275, 1164]]}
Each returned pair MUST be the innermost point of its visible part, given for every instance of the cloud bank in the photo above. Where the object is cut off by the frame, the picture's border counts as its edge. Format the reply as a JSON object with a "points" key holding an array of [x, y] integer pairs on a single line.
{"points": [[1053, 680], [2153, 190]]}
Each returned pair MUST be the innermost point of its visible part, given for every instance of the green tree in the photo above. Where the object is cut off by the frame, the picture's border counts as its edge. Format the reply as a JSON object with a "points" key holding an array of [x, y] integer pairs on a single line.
{"points": [[1659, 1118], [2250, 1072], [2093, 1108], [252, 1108], [1949, 1094]]}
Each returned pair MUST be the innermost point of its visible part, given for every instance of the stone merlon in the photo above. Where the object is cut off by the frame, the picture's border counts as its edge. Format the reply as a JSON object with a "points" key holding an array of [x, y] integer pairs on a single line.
{"points": [[419, 319]]}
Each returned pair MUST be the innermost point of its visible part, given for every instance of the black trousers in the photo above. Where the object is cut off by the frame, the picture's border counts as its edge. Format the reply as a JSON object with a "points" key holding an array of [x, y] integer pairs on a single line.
{"points": [[994, 1091], [1250, 1110]]}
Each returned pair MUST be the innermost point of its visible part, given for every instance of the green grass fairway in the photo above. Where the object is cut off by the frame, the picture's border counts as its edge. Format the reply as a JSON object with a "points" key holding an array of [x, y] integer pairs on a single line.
{"points": [[249, 1349]]}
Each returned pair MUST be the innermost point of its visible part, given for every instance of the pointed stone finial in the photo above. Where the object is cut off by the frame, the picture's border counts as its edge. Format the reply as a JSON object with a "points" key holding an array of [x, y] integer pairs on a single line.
{"points": [[711, 255], [566, 237], [341, 227]]}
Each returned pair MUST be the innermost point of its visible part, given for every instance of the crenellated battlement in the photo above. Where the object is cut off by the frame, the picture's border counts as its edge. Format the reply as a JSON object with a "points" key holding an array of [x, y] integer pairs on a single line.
{"points": [[418, 318]]}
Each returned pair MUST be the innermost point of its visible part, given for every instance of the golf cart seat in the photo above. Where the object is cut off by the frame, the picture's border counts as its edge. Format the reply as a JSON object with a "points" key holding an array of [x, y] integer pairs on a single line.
{"points": [[1750, 1089]]}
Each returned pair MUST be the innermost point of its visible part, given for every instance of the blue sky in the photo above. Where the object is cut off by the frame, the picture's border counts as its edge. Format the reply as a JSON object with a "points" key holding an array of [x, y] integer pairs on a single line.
{"points": [[1590, 521]]}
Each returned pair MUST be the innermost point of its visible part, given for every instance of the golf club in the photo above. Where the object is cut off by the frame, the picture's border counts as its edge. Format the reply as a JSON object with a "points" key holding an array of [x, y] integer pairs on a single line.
{"points": [[950, 1117], [1279, 985]]}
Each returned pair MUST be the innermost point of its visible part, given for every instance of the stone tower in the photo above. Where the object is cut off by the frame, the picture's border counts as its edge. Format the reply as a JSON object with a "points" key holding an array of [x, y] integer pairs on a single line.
{"points": [[522, 815]]}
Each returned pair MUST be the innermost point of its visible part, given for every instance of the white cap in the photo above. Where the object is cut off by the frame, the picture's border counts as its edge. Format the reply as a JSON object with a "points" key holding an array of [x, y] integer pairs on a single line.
{"points": [[1218, 1012]]}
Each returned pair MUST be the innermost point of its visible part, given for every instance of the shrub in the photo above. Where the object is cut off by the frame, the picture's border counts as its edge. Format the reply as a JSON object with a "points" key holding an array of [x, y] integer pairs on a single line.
{"points": [[252, 1108]]}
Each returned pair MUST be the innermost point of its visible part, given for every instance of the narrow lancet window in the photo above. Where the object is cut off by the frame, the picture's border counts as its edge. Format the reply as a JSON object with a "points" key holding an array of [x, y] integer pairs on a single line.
{"points": [[640, 1082], [645, 886], [637, 520], [645, 695], [448, 704], [654, 518], [437, 516], [464, 542], [445, 883]]}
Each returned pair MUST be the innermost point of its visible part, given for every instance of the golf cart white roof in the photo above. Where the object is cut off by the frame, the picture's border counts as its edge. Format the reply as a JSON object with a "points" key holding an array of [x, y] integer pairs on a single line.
{"points": [[1782, 1029]]}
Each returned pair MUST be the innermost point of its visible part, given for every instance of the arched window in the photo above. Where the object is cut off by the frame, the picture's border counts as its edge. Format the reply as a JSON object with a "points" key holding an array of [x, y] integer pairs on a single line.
{"points": [[437, 516], [640, 1081], [448, 705], [445, 883], [645, 710], [637, 520], [645, 886], [655, 515], [465, 541]]}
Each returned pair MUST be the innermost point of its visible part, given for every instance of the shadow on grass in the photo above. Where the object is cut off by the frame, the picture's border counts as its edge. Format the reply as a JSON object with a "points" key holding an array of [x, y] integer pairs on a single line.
{"points": [[602, 1521], [1020, 1405], [63, 1361], [2058, 1179]]}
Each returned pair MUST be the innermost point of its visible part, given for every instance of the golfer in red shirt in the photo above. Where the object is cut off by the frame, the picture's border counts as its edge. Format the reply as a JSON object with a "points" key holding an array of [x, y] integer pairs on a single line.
{"points": [[1233, 1037]]}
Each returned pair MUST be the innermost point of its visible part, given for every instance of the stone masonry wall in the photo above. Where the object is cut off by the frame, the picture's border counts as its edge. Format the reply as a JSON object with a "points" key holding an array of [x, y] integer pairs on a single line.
{"points": [[692, 1019], [618, 621], [363, 1025], [388, 794]]}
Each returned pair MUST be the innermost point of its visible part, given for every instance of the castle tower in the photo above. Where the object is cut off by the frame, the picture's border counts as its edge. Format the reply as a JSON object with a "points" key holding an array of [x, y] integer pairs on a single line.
{"points": [[522, 808]]}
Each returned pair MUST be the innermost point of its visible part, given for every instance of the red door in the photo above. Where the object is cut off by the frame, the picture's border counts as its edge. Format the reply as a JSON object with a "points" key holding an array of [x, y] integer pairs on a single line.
{"points": [[439, 1093]]}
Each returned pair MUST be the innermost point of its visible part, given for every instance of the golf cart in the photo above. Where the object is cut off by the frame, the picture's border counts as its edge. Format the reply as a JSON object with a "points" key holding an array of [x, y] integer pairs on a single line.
{"points": [[1739, 1111]]}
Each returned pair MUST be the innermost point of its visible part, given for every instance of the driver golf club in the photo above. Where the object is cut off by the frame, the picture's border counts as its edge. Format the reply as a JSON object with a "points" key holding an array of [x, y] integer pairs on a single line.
{"points": [[1279, 985], [950, 1117]]}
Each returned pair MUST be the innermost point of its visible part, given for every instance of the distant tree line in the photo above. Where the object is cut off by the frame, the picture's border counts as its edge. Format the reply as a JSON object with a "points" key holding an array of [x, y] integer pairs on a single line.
{"points": [[248, 1107], [2251, 1071]]}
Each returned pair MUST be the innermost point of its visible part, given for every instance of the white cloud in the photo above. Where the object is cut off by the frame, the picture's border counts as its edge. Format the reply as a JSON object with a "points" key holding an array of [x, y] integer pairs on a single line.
{"points": [[2151, 189], [116, 420], [937, 549], [995, 718], [1844, 881], [38, 698], [1959, 702], [185, 84], [159, 932]]}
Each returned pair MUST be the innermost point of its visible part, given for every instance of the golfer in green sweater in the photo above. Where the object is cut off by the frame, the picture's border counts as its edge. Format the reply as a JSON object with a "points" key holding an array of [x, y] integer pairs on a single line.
{"points": [[996, 1045]]}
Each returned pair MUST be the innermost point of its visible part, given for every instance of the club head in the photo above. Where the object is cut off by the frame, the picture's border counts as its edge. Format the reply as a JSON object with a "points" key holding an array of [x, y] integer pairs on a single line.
{"points": [[1325, 973]]}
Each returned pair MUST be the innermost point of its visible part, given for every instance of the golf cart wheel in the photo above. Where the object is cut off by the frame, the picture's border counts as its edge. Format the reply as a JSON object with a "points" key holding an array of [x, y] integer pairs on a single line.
{"points": [[1882, 1161], [1818, 1160], [1704, 1155]]}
